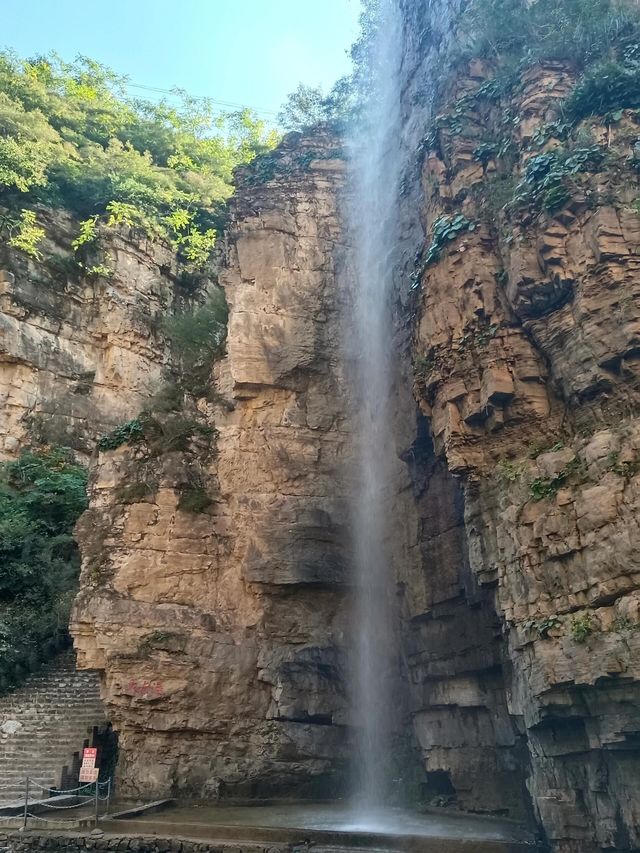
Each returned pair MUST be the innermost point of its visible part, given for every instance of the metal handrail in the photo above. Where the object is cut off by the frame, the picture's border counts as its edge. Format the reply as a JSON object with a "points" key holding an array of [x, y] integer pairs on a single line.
{"points": [[61, 792]]}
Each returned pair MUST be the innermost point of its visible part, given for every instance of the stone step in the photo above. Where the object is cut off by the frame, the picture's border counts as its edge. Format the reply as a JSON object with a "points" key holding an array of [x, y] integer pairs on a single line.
{"points": [[26, 753], [45, 766], [69, 723], [57, 709], [56, 702]]}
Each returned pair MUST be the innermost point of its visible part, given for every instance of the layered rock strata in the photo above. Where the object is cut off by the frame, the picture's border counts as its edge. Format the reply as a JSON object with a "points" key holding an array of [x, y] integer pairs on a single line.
{"points": [[525, 353], [219, 635], [80, 352]]}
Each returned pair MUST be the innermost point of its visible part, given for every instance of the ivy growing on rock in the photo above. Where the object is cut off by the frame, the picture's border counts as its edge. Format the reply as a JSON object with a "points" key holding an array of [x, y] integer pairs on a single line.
{"points": [[599, 37], [573, 473], [546, 181], [173, 423], [543, 626], [445, 229], [128, 433], [194, 497], [197, 338]]}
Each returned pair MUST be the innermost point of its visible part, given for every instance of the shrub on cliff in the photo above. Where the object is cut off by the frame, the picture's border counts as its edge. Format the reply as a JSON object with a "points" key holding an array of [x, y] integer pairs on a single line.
{"points": [[41, 497], [606, 88], [71, 137], [197, 337], [582, 31]]}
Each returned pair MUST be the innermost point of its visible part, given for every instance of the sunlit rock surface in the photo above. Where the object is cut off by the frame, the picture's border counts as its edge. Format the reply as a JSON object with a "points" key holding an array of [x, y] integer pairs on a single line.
{"points": [[525, 361], [80, 353], [220, 634]]}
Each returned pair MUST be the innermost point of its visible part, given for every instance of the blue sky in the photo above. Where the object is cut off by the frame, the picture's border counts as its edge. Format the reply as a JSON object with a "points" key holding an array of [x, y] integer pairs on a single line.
{"points": [[251, 52]]}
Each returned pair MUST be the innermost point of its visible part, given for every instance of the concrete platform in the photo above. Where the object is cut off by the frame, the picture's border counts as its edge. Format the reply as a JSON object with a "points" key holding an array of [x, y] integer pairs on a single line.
{"points": [[329, 827], [16, 807]]}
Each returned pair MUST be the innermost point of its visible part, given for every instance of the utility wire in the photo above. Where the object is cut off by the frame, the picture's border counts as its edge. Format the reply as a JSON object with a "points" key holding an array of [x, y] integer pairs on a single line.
{"points": [[176, 93]]}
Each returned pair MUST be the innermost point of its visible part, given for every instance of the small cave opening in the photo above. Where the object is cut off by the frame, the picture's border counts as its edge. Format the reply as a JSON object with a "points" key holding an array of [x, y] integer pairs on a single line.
{"points": [[438, 787], [105, 739]]}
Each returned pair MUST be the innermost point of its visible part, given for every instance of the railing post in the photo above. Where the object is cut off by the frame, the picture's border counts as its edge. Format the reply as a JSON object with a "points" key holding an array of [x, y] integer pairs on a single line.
{"points": [[97, 789], [108, 795], [26, 803]]}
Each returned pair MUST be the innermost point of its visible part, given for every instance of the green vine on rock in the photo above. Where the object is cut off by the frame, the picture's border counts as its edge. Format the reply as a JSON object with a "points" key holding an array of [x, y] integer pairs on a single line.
{"points": [[194, 498], [130, 432], [546, 180], [24, 233], [582, 626], [446, 229], [544, 625], [574, 472], [197, 338]]}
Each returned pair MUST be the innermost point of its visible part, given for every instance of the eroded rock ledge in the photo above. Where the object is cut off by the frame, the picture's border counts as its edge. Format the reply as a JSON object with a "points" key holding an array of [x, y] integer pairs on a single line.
{"points": [[81, 353], [220, 634], [525, 354]]}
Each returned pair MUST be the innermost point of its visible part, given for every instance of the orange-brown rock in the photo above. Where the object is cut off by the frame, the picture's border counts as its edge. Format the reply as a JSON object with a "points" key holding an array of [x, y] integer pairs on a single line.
{"points": [[79, 353], [525, 350], [220, 634]]}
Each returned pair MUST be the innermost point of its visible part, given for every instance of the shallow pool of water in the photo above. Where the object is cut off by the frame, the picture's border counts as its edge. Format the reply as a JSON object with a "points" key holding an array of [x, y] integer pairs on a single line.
{"points": [[341, 818]]}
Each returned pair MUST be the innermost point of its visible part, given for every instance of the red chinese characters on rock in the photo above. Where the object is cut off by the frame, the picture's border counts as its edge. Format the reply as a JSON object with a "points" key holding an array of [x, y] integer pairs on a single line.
{"points": [[145, 689]]}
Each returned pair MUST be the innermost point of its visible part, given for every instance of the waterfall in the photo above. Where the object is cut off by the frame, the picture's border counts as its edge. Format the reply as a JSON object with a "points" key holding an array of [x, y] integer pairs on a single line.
{"points": [[372, 216]]}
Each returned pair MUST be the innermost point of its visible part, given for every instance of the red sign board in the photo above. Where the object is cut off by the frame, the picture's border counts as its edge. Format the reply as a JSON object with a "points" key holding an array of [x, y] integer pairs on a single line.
{"points": [[89, 772]]}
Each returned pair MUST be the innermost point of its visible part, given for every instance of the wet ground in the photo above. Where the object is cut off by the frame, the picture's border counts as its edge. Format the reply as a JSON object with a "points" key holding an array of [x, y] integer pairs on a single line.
{"points": [[341, 818], [333, 824]]}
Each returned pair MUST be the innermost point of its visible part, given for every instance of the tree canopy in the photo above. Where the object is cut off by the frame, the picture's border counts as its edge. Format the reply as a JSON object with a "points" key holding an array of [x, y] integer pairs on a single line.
{"points": [[71, 137], [41, 496]]}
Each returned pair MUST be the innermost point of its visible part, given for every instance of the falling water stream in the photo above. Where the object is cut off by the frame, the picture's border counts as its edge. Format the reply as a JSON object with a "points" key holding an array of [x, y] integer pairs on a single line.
{"points": [[372, 216]]}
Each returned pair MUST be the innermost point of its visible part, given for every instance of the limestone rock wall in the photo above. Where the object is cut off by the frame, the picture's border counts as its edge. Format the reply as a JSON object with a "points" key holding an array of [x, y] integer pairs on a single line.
{"points": [[472, 755], [470, 750], [219, 635], [80, 354], [524, 351]]}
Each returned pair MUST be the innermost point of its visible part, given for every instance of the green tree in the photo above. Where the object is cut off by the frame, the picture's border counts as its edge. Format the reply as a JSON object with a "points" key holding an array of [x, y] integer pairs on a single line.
{"points": [[303, 108], [41, 497], [71, 137], [308, 105]]}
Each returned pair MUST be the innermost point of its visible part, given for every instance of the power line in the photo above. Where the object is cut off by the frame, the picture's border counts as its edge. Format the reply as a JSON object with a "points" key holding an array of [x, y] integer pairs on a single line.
{"points": [[175, 93]]}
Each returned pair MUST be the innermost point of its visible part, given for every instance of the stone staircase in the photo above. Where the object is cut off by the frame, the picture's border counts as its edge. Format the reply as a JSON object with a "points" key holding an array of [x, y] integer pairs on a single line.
{"points": [[45, 723]]}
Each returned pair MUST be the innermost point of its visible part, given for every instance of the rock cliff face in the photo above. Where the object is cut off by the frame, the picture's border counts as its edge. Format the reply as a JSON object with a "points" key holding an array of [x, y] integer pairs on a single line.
{"points": [[220, 634], [525, 347], [80, 354]]}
